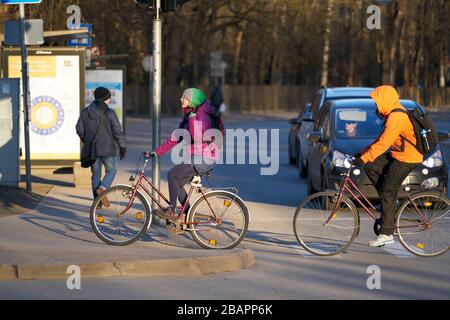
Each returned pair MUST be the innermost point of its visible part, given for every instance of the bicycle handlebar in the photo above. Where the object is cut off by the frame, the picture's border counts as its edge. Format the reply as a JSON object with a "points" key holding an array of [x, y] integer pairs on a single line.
{"points": [[147, 155]]}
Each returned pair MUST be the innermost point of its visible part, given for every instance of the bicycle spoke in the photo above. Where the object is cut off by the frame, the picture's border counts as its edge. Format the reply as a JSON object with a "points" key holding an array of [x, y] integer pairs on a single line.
{"points": [[426, 240], [317, 236], [129, 226]]}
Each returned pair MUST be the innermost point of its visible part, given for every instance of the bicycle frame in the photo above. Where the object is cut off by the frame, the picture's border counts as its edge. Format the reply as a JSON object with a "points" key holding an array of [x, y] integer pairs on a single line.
{"points": [[356, 193], [139, 184]]}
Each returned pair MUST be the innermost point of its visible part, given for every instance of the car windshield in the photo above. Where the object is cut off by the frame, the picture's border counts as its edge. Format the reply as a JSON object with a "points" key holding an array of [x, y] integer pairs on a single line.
{"points": [[358, 123]]}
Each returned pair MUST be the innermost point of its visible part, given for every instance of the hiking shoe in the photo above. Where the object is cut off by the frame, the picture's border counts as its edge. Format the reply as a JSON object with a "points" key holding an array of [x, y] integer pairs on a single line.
{"points": [[166, 214], [105, 200], [382, 240]]}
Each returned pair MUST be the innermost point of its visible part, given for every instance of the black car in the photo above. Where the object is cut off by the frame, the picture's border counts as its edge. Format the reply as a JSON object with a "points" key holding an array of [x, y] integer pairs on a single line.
{"points": [[303, 125], [348, 127]]}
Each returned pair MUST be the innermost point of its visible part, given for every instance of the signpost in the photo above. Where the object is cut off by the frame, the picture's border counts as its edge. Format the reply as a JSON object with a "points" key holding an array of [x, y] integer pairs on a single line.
{"points": [[25, 85], [158, 6], [157, 75]]}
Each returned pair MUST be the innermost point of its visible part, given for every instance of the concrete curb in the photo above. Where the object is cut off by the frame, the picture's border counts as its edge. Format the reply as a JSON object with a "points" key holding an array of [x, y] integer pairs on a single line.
{"points": [[168, 267]]}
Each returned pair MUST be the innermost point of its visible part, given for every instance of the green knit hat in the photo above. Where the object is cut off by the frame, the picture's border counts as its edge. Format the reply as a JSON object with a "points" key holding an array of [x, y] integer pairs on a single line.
{"points": [[195, 96]]}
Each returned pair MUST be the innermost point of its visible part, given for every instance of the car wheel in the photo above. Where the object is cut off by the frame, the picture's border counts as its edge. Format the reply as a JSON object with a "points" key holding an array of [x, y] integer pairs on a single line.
{"points": [[297, 152], [291, 159]]}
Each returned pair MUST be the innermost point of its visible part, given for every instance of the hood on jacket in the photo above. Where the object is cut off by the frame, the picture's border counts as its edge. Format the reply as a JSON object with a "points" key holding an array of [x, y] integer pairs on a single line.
{"points": [[206, 108], [387, 99]]}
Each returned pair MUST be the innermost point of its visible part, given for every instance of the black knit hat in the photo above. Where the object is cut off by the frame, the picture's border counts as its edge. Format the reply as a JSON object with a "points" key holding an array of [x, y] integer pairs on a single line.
{"points": [[101, 93]]}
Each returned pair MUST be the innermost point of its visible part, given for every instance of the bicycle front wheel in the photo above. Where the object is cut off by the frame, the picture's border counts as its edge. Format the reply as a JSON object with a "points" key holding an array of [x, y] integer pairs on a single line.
{"points": [[423, 224], [324, 227], [113, 223], [219, 220]]}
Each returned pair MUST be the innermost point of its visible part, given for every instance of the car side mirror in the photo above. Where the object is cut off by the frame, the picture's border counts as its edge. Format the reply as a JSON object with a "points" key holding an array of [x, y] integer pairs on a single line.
{"points": [[314, 137], [443, 136], [293, 121]]}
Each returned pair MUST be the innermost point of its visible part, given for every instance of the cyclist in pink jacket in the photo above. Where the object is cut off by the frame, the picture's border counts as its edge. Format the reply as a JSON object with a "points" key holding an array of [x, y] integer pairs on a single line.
{"points": [[197, 120]]}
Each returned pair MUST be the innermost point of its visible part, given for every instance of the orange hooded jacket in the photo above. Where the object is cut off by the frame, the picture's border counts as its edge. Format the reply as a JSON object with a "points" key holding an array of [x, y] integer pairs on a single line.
{"points": [[397, 123]]}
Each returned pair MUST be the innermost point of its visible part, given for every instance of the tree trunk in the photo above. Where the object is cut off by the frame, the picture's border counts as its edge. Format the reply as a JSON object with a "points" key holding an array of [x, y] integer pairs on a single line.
{"points": [[326, 46]]}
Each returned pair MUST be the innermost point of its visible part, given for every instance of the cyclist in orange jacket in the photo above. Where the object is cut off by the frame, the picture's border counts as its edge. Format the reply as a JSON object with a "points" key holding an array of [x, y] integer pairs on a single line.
{"points": [[387, 171]]}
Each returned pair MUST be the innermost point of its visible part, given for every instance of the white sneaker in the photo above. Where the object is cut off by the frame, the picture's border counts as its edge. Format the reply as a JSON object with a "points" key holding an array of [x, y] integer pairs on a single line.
{"points": [[382, 240]]}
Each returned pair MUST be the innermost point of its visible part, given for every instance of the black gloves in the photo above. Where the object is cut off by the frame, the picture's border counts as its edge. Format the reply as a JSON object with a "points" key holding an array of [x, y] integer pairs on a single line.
{"points": [[358, 162], [358, 155], [148, 155], [123, 152]]}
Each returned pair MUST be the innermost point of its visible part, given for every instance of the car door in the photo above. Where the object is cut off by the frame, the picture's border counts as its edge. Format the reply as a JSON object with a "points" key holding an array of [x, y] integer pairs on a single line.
{"points": [[319, 149]]}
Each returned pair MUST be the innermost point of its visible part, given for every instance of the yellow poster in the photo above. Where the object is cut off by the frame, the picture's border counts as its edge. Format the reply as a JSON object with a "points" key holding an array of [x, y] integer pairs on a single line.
{"points": [[39, 66], [55, 105]]}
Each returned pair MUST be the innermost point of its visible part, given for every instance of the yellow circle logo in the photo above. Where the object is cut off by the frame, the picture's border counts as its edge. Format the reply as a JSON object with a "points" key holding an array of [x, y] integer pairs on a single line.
{"points": [[47, 115]]}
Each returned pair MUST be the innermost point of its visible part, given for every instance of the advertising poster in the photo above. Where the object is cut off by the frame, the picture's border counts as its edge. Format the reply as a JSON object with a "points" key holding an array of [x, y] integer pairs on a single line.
{"points": [[55, 104], [110, 79]]}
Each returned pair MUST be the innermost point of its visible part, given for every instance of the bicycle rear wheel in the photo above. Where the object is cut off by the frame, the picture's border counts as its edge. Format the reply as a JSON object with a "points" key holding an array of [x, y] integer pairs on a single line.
{"points": [[219, 220], [318, 236], [427, 235], [112, 223]]}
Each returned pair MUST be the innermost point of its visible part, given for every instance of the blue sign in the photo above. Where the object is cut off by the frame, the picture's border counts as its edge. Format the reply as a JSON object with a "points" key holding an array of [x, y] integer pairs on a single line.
{"points": [[20, 1], [85, 42]]}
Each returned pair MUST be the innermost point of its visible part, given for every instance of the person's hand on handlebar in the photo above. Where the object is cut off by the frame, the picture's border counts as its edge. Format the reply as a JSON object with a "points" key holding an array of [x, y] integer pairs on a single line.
{"points": [[150, 154], [358, 162]]}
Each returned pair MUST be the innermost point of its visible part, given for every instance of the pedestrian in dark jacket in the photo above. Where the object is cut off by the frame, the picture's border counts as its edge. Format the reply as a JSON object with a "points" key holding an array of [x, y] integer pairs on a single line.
{"points": [[217, 99], [109, 135]]}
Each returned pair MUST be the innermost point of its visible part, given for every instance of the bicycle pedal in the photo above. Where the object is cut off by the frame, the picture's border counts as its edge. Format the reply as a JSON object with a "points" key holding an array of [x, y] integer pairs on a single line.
{"points": [[175, 229]]}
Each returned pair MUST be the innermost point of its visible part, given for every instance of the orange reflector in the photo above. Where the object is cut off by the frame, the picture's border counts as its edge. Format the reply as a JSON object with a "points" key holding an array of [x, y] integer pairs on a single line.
{"points": [[420, 246], [100, 219], [227, 203], [334, 216], [212, 242], [428, 204], [139, 215]]}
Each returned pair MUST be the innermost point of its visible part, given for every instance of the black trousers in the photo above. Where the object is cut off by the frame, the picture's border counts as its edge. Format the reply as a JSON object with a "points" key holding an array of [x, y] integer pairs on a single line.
{"points": [[178, 177], [387, 175]]}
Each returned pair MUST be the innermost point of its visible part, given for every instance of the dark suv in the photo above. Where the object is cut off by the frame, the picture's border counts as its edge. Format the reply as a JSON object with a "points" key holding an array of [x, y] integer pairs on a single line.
{"points": [[305, 127]]}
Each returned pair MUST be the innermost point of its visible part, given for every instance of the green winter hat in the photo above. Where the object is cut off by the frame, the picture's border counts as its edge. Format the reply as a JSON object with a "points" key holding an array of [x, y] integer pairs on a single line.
{"points": [[195, 96]]}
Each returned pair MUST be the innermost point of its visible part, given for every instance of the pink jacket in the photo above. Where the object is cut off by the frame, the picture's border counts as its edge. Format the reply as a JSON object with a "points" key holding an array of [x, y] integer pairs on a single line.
{"points": [[197, 126]]}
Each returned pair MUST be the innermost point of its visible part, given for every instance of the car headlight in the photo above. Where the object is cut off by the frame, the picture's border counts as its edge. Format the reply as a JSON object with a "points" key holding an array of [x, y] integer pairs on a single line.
{"points": [[435, 160], [339, 160]]}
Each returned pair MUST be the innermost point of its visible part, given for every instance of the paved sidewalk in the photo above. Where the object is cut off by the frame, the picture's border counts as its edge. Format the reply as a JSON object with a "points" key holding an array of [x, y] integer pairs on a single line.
{"points": [[42, 243]]}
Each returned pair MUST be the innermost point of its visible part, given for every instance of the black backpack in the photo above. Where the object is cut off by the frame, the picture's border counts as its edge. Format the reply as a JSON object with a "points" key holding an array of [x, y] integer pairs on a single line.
{"points": [[216, 123], [424, 130]]}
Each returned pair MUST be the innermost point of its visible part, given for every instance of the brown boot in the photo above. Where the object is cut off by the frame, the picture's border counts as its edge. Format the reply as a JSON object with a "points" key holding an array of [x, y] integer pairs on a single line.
{"points": [[105, 200], [166, 214]]}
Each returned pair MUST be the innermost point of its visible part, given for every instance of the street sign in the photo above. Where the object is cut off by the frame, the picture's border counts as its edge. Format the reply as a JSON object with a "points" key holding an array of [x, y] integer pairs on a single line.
{"points": [[34, 32], [85, 42], [20, 1]]}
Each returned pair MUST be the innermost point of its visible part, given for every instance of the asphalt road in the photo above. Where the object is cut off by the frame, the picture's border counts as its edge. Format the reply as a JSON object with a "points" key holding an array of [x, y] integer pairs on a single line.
{"points": [[284, 270]]}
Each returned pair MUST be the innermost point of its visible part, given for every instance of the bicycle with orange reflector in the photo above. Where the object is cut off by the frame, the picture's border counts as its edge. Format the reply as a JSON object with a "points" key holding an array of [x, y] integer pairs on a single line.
{"points": [[217, 219], [326, 223]]}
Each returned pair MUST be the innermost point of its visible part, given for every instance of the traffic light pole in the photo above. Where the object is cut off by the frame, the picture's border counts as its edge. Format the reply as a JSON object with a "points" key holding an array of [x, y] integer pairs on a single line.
{"points": [[157, 76], [26, 98]]}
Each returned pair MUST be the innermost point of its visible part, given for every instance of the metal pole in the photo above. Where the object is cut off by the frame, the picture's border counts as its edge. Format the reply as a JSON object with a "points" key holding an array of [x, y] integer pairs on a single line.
{"points": [[26, 98], [157, 72]]}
